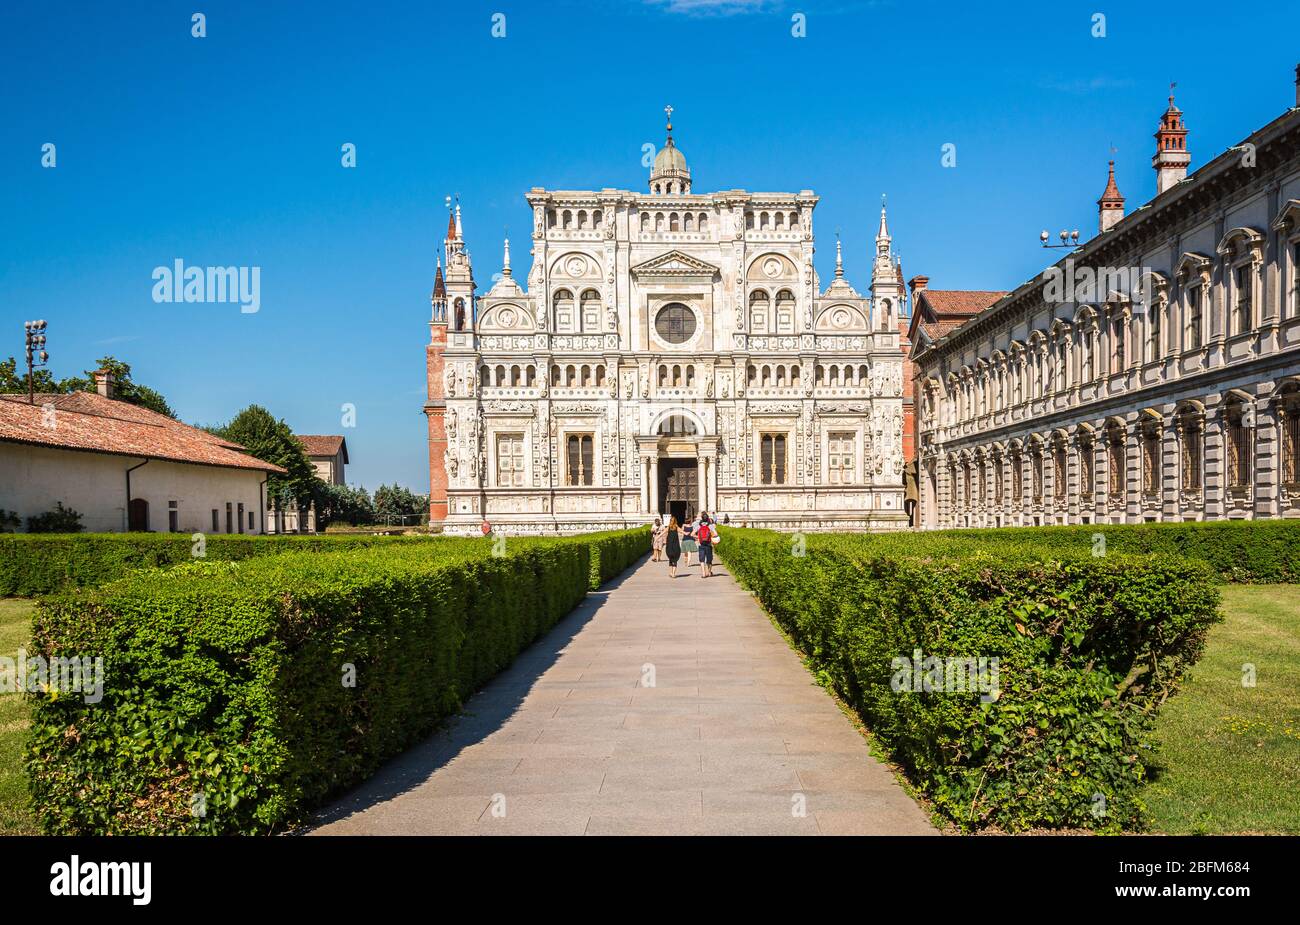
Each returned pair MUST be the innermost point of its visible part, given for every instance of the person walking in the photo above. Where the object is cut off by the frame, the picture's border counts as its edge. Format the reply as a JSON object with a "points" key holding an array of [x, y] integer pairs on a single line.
{"points": [[672, 545], [688, 542], [707, 537], [657, 536]]}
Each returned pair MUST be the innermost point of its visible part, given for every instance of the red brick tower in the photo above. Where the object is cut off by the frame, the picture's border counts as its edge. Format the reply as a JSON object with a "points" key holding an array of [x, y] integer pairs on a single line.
{"points": [[436, 407]]}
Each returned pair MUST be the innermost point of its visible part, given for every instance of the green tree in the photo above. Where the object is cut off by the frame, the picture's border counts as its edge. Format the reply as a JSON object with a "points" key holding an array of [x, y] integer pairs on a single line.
{"points": [[395, 504], [344, 504], [271, 440], [12, 381], [126, 389]]}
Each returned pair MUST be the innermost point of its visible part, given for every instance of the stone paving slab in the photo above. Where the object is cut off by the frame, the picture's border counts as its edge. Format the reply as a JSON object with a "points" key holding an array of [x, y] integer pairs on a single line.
{"points": [[734, 738]]}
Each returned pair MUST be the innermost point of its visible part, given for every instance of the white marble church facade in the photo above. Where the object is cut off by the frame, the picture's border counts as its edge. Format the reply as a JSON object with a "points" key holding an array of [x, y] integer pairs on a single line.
{"points": [[672, 352]]}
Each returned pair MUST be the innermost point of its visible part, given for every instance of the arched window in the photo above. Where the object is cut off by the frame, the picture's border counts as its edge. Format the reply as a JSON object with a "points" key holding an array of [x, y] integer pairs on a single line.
{"points": [[659, 221], [703, 222], [570, 376], [515, 376], [564, 318], [1191, 446], [1116, 465], [590, 305], [1238, 443], [568, 219], [688, 222], [1152, 473], [673, 222], [759, 307], [645, 221], [785, 312]]}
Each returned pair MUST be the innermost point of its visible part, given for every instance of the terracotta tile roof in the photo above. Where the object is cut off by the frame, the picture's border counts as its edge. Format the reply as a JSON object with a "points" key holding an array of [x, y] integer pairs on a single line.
{"points": [[321, 445], [966, 302], [88, 421]]}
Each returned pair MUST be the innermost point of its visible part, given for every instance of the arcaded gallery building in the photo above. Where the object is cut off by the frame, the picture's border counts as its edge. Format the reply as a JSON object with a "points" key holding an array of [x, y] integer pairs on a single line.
{"points": [[668, 352], [1151, 375]]}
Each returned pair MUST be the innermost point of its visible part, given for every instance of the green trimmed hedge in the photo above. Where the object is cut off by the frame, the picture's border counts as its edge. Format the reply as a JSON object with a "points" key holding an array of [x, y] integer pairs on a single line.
{"points": [[32, 564], [225, 681], [1252, 551], [615, 551], [1088, 649]]}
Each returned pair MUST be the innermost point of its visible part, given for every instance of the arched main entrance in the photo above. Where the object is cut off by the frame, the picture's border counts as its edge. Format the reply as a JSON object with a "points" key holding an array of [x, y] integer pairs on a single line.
{"points": [[679, 460]]}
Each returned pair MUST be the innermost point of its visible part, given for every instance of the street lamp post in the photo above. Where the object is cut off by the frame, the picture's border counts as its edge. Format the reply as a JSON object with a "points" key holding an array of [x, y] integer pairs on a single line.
{"points": [[36, 355]]}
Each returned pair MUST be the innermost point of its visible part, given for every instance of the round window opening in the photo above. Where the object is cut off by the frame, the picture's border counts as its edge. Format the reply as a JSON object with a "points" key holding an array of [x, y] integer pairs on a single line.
{"points": [[675, 323]]}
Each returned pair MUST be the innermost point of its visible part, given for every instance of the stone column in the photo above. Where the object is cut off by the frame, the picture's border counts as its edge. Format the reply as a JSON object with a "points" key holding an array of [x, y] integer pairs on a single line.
{"points": [[654, 486], [702, 477]]}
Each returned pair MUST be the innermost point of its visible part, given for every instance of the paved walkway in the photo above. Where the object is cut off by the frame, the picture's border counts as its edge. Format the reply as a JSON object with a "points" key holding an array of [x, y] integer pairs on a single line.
{"points": [[734, 737]]}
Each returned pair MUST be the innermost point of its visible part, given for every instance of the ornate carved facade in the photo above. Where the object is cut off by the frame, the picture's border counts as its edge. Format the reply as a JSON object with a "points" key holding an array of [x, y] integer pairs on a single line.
{"points": [[1171, 395], [671, 352]]}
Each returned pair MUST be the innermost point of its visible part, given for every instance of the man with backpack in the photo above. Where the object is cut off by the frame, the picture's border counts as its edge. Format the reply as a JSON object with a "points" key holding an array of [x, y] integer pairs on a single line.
{"points": [[707, 537]]}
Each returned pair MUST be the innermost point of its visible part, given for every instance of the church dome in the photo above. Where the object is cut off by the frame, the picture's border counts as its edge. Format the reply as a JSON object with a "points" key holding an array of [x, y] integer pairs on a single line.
{"points": [[670, 162], [670, 173]]}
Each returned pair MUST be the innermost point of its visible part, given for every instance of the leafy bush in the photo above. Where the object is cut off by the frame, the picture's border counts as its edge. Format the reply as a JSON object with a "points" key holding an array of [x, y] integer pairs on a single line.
{"points": [[1087, 650], [1252, 551], [227, 683], [60, 520], [9, 521], [614, 551], [32, 565]]}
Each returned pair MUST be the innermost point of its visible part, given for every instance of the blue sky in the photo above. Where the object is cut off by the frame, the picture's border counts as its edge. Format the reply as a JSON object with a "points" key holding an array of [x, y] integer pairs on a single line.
{"points": [[225, 150]]}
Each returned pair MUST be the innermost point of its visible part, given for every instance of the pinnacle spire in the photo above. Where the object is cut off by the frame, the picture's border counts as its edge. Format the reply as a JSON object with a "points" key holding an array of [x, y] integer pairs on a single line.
{"points": [[839, 258], [505, 265]]}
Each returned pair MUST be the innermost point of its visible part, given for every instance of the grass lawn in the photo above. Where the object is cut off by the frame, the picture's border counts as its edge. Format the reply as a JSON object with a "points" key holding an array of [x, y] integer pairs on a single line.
{"points": [[15, 812], [1230, 755]]}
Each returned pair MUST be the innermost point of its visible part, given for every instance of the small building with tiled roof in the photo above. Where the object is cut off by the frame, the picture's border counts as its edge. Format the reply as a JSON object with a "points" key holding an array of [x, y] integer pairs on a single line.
{"points": [[124, 467], [328, 454]]}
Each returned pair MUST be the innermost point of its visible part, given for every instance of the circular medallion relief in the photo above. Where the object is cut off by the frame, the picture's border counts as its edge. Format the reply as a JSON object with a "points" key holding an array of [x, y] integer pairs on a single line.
{"points": [[575, 266], [506, 317], [840, 319], [675, 323], [772, 267]]}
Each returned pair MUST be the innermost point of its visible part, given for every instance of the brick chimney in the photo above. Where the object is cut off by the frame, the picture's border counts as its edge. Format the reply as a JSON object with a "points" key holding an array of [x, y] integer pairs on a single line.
{"points": [[104, 383]]}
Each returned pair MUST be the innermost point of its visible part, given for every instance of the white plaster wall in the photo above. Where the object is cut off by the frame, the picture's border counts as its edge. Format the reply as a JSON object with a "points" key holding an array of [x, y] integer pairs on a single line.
{"points": [[33, 479]]}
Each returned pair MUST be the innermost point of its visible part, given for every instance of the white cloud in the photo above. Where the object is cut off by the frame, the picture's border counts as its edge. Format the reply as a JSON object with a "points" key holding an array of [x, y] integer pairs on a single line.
{"points": [[714, 7]]}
